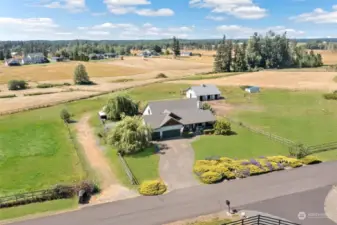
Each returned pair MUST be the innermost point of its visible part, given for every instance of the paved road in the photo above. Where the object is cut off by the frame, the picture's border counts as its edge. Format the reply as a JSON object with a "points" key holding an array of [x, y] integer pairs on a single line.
{"points": [[288, 207], [176, 164], [198, 200]]}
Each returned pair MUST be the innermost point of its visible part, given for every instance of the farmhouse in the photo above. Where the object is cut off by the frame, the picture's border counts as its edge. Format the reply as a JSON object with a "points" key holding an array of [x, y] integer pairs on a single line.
{"points": [[34, 58], [170, 118], [110, 55], [94, 56], [12, 62], [58, 59], [203, 92], [252, 89]]}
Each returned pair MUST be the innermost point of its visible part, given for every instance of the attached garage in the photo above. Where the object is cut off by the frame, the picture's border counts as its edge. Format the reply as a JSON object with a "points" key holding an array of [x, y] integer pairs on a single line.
{"points": [[171, 133], [155, 136]]}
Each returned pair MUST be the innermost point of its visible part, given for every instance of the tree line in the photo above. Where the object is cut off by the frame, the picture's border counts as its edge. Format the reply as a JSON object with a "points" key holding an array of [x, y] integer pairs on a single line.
{"points": [[271, 51]]}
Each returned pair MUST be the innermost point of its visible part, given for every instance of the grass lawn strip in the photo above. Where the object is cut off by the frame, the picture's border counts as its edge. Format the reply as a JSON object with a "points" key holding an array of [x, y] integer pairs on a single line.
{"points": [[36, 208]]}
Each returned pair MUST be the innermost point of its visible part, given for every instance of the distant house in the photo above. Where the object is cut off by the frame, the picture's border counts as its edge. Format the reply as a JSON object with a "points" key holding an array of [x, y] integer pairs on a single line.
{"points": [[110, 55], [12, 62], [203, 92], [94, 56], [58, 59], [186, 54], [170, 118], [34, 58], [252, 89]]}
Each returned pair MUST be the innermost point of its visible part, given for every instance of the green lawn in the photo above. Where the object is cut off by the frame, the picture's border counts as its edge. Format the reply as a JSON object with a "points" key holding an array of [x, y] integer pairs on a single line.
{"points": [[211, 222], [35, 208], [243, 145], [144, 165]]}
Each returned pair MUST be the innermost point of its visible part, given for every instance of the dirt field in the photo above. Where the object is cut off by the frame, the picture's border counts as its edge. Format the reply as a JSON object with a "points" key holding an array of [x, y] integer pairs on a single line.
{"points": [[275, 79], [329, 57], [109, 68]]}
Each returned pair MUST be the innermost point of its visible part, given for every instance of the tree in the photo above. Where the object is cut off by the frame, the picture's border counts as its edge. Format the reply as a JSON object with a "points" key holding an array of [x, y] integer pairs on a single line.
{"points": [[167, 52], [157, 49], [176, 47], [14, 85], [206, 106], [81, 75], [222, 127], [130, 135], [119, 106], [220, 57], [65, 115], [2, 56]]}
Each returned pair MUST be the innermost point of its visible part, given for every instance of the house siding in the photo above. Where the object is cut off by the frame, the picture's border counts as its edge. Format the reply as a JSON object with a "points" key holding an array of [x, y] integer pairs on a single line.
{"points": [[147, 111], [191, 94]]}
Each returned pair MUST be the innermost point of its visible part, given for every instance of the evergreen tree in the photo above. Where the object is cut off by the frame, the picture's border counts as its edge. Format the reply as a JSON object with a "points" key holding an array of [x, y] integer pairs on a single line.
{"points": [[176, 47], [220, 56], [2, 56]]}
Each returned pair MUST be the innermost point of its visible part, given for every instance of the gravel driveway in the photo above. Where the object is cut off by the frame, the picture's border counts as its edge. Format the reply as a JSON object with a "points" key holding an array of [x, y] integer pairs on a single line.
{"points": [[176, 164]]}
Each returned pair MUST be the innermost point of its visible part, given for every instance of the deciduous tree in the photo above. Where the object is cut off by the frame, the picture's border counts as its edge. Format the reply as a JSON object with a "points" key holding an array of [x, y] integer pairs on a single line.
{"points": [[121, 105]]}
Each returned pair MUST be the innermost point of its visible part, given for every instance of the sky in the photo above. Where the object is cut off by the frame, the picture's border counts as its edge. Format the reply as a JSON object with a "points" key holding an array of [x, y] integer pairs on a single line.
{"points": [[160, 19]]}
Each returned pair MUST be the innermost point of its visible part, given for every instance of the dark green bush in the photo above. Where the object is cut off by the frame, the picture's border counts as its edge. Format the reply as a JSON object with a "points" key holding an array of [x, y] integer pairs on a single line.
{"points": [[39, 93], [161, 75], [65, 115], [45, 85], [7, 96], [330, 96], [188, 134], [14, 85]]}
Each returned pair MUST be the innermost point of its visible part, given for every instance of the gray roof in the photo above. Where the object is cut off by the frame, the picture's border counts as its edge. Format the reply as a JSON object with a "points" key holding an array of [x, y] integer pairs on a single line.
{"points": [[185, 109], [205, 89]]}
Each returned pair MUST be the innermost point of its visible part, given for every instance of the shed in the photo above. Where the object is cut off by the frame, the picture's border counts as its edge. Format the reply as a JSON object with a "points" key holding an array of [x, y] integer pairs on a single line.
{"points": [[252, 89]]}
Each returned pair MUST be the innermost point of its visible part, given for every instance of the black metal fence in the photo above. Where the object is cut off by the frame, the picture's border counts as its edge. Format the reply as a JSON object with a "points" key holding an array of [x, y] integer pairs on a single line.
{"points": [[261, 220]]}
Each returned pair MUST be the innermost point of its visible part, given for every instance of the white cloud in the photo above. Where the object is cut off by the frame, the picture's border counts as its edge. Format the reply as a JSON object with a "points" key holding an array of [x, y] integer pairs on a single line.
{"points": [[215, 18], [236, 31], [71, 5], [121, 7], [244, 9], [98, 14], [318, 16], [27, 23]]}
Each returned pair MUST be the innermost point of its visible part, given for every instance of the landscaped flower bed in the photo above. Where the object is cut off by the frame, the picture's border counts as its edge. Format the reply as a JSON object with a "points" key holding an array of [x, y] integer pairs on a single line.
{"points": [[216, 169]]}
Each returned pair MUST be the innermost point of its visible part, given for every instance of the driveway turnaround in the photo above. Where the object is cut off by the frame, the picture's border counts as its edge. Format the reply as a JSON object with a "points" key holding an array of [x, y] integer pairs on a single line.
{"points": [[200, 200], [176, 164]]}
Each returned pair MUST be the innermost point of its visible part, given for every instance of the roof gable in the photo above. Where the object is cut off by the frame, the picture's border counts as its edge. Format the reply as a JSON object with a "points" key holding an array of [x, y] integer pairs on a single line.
{"points": [[205, 89], [158, 107]]}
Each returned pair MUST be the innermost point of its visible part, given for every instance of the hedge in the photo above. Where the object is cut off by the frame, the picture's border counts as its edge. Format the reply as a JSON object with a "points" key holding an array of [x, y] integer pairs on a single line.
{"points": [[211, 177], [309, 160], [7, 96], [48, 85], [214, 170], [39, 93], [330, 96], [209, 131], [151, 188]]}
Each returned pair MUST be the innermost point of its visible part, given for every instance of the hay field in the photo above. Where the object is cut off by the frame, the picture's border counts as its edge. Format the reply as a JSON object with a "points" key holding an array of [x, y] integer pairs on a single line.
{"points": [[275, 79], [329, 57], [107, 68]]}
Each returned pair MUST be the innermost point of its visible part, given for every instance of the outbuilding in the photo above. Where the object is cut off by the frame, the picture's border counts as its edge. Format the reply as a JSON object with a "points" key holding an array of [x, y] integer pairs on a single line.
{"points": [[204, 92], [252, 89]]}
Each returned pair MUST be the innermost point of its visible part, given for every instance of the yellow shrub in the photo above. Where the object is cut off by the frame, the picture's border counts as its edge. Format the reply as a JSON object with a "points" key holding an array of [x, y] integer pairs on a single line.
{"points": [[201, 169], [211, 177], [309, 160], [225, 159], [154, 187], [206, 163], [294, 163], [277, 159], [228, 175], [255, 170]]}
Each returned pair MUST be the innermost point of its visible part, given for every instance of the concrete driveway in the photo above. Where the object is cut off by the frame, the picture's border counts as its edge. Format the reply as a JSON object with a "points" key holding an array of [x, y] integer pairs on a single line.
{"points": [[176, 164]]}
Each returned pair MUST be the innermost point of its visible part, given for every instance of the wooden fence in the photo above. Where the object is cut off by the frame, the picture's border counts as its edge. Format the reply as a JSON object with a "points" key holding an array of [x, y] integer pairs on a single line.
{"points": [[260, 220], [267, 134], [322, 147], [133, 180]]}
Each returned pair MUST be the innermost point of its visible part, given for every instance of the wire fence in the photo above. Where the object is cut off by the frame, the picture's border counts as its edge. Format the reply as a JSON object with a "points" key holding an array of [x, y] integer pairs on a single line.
{"points": [[271, 136], [133, 180], [322, 147], [261, 220]]}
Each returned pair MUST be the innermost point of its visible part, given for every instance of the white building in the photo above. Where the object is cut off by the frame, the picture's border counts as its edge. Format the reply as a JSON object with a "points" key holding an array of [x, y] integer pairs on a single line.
{"points": [[204, 92]]}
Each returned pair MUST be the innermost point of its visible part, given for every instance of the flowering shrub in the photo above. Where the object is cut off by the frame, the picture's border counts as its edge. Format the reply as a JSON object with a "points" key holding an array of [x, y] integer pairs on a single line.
{"points": [[211, 177], [150, 188], [309, 160]]}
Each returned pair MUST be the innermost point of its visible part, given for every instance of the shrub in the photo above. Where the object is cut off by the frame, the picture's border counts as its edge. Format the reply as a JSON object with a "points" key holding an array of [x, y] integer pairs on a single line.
{"points": [[65, 115], [188, 134], [309, 160], [89, 187], [222, 127], [39, 93], [64, 191], [208, 131], [330, 96], [224, 171], [14, 85], [45, 85], [277, 159], [151, 188], [255, 170], [225, 159], [200, 169], [81, 76], [299, 151], [206, 106], [161, 75], [7, 96], [294, 163], [211, 177]]}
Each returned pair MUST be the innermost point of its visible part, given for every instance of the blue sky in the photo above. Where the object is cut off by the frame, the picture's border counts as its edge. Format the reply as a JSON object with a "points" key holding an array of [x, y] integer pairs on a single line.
{"points": [[157, 19]]}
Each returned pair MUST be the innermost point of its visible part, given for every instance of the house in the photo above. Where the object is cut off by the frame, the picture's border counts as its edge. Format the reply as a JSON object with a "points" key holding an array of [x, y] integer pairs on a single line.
{"points": [[252, 89], [110, 55], [170, 118], [34, 58], [58, 59], [94, 56], [186, 54], [12, 62], [203, 92]]}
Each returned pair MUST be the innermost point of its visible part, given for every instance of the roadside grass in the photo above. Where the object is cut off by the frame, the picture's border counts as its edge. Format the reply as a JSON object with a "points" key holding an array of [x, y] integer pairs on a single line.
{"points": [[243, 145], [122, 80], [215, 221], [36, 208]]}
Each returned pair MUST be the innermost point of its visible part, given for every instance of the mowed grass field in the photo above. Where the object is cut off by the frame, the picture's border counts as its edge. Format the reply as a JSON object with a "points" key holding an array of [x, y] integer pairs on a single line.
{"points": [[65, 70]]}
